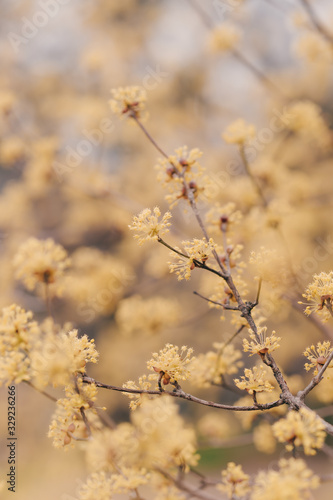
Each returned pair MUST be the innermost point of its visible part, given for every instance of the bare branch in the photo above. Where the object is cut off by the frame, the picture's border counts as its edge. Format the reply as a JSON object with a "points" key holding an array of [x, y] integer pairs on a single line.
{"points": [[315, 381], [179, 393], [315, 21], [225, 306]]}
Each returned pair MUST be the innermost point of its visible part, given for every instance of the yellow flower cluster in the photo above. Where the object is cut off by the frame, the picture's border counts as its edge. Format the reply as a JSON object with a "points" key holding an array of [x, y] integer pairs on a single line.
{"points": [[317, 355], [239, 132], [18, 335], [254, 380], [171, 364], [235, 483], [148, 226], [222, 218], [305, 118], [128, 479], [12, 150], [180, 174], [67, 425], [302, 428], [195, 250], [224, 38], [263, 438], [164, 439], [60, 355], [270, 266], [209, 368], [215, 427], [320, 295], [137, 399], [41, 262], [156, 437], [96, 282], [293, 480], [148, 316], [262, 344], [128, 101], [314, 48], [7, 101], [97, 485]]}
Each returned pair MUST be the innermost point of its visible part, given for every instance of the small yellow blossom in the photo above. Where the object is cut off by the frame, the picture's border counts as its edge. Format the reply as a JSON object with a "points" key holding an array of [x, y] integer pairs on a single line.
{"points": [[239, 132], [41, 262], [67, 425], [148, 226], [313, 47], [128, 101], [270, 266], [235, 483], [195, 251], [224, 38], [222, 218], [114, 448], [65, 428], [7, 101], [97, 485], [293, 480], [170, 364], [18, 334], [12, 150], [320, 295], [59, 356], [263, 438], [209, 368], [302, 428], [96, 282], [182, 175], [164, 439], [215, 427], [137, 399], [305, 118], [146, 316], [317, 355], [255, 380], [128, 479], [262, 344], [167, 492]]}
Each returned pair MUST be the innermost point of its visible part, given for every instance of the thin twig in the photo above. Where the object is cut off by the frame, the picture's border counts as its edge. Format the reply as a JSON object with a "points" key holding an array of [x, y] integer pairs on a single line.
{"points": [[193, 492], [257, 73], [225, 306], [315, 381], [315, 21], [183, 395], [52, 398], [149, 137], [313, 318], [251, 176]]}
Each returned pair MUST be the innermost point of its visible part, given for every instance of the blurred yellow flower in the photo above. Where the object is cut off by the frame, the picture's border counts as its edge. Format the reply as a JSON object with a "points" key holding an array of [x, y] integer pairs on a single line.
{"points": [[41, 262], [239, 132], [301, 428]]}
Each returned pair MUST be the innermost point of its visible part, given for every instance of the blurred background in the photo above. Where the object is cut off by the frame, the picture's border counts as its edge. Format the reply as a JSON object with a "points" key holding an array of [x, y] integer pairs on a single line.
{"points": [[72, 171]]}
